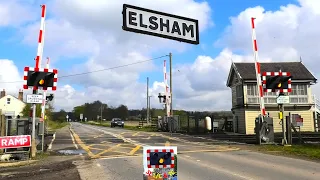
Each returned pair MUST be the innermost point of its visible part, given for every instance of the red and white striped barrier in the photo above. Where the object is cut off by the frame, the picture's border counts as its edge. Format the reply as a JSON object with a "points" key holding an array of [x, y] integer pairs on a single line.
{"points": [[257, 67]]}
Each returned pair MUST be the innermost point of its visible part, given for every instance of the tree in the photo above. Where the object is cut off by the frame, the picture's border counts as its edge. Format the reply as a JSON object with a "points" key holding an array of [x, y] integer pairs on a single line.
{"points": [[78, 110], [28, 107], [60, 116], [122, 112]]}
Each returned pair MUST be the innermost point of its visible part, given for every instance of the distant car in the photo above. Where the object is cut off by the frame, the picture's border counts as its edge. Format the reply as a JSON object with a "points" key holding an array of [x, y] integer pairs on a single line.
{"points": [[117, 122]]}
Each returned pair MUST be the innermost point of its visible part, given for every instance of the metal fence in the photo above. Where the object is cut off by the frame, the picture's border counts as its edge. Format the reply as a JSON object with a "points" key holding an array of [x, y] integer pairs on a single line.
{"points": [[196, 124], [23, 126], [192, 124]]}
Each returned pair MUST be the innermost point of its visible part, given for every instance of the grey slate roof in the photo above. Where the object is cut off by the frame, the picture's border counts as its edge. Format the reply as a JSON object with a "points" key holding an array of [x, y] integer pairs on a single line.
{"points": [[297, 69]]}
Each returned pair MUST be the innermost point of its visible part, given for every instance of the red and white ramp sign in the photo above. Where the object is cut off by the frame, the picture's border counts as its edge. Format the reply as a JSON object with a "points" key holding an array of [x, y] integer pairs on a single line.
{"points": [[7, 142], [160, 162]]}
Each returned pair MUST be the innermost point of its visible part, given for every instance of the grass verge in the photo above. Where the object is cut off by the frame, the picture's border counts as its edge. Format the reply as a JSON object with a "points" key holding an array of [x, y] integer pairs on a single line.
{"points": [[42, 155], [311, 151], [53, 125], [97, 123]]}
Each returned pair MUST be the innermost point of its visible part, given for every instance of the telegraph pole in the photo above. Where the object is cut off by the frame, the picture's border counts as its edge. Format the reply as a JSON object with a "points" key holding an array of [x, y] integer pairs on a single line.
{"points": [[147, 99], [149, 107], [101, 113], [170, 59], [171, 110]]}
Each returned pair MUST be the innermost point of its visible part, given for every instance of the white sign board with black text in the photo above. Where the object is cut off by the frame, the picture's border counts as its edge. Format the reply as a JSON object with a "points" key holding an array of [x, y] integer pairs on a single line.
{"points": [[283, 100], [155, 23], [34, 98]]}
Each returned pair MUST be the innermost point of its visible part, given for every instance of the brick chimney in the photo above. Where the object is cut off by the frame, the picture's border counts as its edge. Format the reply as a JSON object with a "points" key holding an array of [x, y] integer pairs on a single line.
{"points": [[3, 93], [20, 96]]}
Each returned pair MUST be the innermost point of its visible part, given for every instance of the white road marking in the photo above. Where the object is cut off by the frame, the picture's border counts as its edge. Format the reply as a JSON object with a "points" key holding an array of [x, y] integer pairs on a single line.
{"points": [[53, 138], [74, 143], [198, 160]]}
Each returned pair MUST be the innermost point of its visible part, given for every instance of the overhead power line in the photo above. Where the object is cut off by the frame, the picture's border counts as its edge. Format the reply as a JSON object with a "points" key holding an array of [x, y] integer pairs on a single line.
{"points": [[106, 69]]}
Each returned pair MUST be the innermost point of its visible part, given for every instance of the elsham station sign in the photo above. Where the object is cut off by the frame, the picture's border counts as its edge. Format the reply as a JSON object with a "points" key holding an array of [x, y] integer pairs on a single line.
{"points": [[155, 23]]}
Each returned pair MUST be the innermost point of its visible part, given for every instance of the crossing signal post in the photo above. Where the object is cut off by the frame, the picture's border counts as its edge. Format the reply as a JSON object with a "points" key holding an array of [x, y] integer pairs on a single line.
{"points": [[39, 78], [278, 82]]}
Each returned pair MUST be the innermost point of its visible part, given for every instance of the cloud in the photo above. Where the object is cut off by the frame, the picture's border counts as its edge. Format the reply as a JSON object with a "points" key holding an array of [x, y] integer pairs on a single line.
{"points": [[95, 28], [283, 35], [93, 31], [15, 13], [10, 77]]}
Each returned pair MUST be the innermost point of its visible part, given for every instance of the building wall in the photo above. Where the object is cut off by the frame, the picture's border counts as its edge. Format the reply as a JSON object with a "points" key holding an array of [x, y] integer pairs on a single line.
{"points": [[307, 115], [240, 123], [234, 96], [236, 85], [15, 105]]}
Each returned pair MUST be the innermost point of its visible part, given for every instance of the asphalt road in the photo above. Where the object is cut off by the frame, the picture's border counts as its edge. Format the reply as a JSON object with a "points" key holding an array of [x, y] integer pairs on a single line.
{"points": [[116, 154]]}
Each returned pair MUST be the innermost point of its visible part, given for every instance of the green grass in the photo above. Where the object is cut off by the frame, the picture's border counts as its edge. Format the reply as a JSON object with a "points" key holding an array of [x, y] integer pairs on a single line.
{"points": [[56, 125], [41, 155], [104, 124], [311, 151]]}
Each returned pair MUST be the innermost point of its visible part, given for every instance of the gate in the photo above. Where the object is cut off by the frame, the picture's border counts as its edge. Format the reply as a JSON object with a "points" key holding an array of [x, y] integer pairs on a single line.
{"points": [[192, 123], [166, 124], [15, 127], [21, 126]]}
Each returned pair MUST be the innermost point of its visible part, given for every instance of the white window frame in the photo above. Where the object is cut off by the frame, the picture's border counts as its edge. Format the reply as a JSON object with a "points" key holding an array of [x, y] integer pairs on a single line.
{"points": [[252, 94], [299, 95]]}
